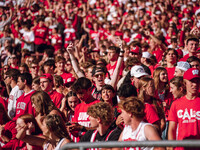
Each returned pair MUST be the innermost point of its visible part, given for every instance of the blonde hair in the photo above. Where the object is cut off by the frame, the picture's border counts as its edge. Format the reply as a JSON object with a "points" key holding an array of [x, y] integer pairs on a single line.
{"points": [[143, 82]]}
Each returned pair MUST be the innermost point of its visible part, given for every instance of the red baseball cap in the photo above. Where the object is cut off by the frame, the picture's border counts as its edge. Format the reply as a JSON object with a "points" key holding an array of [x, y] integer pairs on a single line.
{"points": [[191, 73], [135, 50], [47, 76]]}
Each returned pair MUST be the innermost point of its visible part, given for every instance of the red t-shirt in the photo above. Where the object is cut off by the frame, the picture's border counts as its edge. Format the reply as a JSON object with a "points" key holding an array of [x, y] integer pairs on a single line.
{"points": [[112, 68], [158, 54], [56, 40], [4, 103], [185, 58], [22, 146], [41, 34], [94, 34], [187, 114], [170, 73], [10, 132], [66, 76], [80, 113], [56, 97], [24, 105], [151, 115]]}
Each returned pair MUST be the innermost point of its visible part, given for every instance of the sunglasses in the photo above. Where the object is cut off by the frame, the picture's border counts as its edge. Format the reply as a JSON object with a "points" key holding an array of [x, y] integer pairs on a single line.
{"points": [[101, 75], [6, 77]]}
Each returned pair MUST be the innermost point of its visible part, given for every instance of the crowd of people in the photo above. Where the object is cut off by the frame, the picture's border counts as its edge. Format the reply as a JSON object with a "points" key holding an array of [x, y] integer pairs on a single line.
{"points": [[98, 70]]}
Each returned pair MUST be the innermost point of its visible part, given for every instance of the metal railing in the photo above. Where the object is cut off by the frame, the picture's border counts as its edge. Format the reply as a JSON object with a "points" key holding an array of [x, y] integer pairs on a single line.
{"points": [[164, 143]]}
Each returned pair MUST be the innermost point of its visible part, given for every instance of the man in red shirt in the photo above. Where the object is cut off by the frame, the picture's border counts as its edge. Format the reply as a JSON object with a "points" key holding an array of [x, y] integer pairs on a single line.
{"points": [[60, 68], [192, 46], [46, 84], [82, 87], [41, 33], [24, 105], [185, 112], [113, 54]]}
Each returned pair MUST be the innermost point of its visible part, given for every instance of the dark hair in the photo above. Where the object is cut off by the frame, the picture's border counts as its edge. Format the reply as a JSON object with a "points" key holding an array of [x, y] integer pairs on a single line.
{"points": [[80, 84], [127, 90], [58, 81], [171, 49], [36, 80], [26, 76], [193, 58], [116, 49], [14, 73], [109, 87], [70, 94], [192, 38], [49, 63], [9, 48], [49, 52], [25, 66]]}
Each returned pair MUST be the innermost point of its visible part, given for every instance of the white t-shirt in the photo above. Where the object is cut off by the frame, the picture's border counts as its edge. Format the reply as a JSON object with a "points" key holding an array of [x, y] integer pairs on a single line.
{"points": [[14, 95], [29, 37]]}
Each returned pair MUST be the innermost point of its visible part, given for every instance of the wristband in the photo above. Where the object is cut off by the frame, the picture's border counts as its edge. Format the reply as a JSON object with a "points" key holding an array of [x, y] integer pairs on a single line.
{"points": [[121, 55], [122, 51]]}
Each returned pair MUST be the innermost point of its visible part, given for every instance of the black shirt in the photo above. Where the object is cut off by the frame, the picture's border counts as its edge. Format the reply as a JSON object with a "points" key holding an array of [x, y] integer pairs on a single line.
{"points": [[113, 136]]}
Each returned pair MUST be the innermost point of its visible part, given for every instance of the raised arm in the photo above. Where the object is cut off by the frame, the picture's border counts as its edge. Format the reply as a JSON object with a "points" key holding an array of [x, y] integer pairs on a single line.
{"points": [[84, 26], [115, 76], [73, 61], [30, 139]]}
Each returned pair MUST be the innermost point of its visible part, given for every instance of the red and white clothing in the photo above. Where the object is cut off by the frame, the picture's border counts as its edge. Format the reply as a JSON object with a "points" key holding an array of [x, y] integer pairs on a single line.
{"points": [[12, 100], [41, 34], [56, 41], [111, 69], [138, 135], [66, 76], [24, 105], [80, 113], [70, 36], [94, 34], [186, 113], [56, 98]]}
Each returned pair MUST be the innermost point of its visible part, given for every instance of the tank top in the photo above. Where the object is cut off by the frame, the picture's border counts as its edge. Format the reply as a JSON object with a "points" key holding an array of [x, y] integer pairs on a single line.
{"points": [[137, 135], [45, 147]]}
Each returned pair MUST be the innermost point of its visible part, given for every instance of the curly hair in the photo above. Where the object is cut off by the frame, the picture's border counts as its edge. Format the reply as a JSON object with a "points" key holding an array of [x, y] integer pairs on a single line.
{"points": [[43, 102], [133, 106], [102, 110], [56, 125]]}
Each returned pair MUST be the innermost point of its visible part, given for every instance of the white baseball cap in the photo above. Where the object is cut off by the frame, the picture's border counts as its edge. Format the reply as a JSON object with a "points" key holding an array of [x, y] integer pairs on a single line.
{"points": [[146, 55], [182, 65], [138, 71]]}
